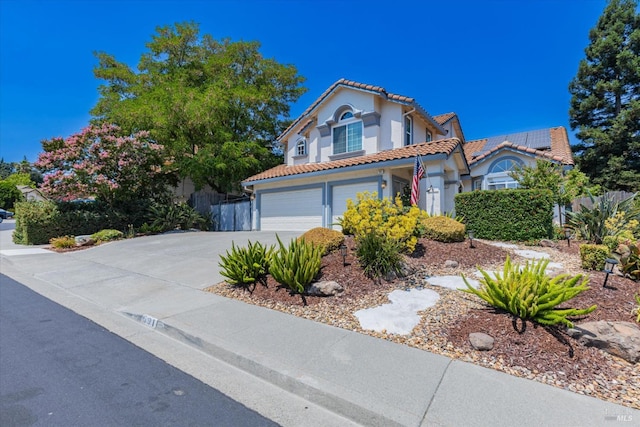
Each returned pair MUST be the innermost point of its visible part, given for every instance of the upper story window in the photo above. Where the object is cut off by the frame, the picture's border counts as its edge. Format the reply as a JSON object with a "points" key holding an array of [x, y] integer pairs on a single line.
{"points": [[408, 130], [301, 147], [429, 136], [498, 177], [347, 134]]}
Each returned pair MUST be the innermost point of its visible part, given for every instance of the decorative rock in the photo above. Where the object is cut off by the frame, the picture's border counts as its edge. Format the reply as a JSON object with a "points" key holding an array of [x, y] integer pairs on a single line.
{"points": [[546, 243], [405, 271], [481, 341], [325, 289], [451, 264], [84, 240], [621, 339]]}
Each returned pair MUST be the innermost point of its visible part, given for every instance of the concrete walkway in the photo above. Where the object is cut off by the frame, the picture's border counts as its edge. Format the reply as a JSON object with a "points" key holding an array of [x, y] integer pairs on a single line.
{"points": [[292, 370]]}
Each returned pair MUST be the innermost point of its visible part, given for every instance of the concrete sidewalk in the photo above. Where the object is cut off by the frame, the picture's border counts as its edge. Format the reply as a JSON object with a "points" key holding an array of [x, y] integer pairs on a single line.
{"points": [[149, 290]]}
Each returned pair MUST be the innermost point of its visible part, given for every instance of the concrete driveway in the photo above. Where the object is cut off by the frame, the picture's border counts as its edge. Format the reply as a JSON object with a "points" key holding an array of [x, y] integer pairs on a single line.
{"points": [[187, 257]]}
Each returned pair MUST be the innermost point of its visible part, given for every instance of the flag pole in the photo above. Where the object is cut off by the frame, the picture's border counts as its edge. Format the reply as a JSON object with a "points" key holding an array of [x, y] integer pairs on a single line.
{"points": [[424, 168]]}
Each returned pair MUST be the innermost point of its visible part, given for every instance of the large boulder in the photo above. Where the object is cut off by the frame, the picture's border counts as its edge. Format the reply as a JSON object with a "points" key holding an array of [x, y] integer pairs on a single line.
{"points": [[621, 339], [325, 289], [84, 240]]}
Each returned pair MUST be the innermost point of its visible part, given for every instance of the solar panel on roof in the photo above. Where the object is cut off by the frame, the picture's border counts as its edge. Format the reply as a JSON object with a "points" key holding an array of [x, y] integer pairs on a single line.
{"points": [[537, 139]]}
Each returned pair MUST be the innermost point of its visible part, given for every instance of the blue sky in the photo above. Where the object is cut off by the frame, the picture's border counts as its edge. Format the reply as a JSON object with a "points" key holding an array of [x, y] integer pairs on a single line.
{"points": [[502, 65]]}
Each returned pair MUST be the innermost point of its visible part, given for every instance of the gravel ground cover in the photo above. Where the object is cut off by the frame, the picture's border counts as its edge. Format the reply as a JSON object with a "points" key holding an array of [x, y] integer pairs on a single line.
{"points": [[543, 354]]}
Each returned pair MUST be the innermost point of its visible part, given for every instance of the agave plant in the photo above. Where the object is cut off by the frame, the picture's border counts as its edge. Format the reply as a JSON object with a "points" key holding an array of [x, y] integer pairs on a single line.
{"points": [[296, 266]]}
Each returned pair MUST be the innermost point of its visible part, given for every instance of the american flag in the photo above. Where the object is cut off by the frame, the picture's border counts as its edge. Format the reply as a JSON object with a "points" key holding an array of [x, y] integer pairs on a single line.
{"points": [[418, 173]]}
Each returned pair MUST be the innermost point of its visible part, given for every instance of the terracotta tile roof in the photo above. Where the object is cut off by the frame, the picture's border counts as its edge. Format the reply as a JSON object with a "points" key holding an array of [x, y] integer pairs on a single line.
{"points": [[444, 118], [560, 150], [379, 90], [442, 146]]}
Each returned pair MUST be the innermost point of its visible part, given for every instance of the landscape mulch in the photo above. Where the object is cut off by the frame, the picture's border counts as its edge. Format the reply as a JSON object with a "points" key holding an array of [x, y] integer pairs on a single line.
{"points": [[544, 354]]}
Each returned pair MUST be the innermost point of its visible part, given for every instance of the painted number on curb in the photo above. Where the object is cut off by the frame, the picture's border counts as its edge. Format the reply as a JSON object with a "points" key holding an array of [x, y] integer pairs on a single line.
{"points": [[149, 321]]}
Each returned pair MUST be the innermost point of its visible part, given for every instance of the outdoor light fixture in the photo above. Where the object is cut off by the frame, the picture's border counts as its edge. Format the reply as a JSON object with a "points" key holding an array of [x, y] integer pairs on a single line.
{"points": [[343, 252], [609, 265], [384, 184], [471, 235], [567, 234]]}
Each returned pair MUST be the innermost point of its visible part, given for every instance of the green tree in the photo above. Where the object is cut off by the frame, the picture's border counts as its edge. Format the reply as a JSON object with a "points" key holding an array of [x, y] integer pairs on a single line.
{"points": [[217, 106], [9, 194], [6, 168], [605, 102], [564, 185], [20, 179]]}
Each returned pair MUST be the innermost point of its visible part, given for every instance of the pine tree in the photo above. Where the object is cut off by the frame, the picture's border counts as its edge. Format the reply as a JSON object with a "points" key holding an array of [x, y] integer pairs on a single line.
{"points": [[605, 103]]}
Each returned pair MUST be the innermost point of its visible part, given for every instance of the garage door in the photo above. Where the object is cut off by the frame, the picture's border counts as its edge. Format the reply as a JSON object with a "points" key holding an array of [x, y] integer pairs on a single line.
{"points": [[343, 192], [298, 210]]}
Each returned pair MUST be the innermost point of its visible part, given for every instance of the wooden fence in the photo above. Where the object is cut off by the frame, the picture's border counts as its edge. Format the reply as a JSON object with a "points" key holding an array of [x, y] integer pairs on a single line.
{"points": [[586, 201]]}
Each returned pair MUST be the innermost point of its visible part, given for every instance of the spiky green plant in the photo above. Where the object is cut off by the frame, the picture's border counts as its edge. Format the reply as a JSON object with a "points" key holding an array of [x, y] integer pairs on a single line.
{"points": [[379, 255], [244, 266], [638, 308], [296, 266], [528, 293]]}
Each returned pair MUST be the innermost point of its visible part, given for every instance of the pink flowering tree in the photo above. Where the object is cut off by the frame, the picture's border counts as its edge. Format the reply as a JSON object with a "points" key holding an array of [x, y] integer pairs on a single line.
{"points": [[101, 162]]}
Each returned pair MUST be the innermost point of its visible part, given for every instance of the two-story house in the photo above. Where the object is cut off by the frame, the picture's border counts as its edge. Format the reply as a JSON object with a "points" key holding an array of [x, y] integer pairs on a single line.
{"points": [[357, 137]]}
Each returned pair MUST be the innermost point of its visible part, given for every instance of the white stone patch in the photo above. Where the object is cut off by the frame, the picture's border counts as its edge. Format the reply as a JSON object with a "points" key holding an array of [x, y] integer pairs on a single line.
{"points": [[532, 254], [32, 251], [503, 245], [452, 282], [401, 316], [555, 266]]}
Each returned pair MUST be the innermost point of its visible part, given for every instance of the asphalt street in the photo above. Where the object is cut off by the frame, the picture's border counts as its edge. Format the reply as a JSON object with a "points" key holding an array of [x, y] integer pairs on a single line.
{"points": [[60, 369]]}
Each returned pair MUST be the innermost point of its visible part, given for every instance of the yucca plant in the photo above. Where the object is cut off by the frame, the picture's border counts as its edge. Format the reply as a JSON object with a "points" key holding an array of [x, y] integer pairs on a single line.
{"points": [[296, 266], [246, 266], [529, 294]]}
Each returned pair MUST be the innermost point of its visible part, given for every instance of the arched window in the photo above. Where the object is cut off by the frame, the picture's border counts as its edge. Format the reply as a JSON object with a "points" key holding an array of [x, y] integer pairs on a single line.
{"points": [[347, 134], [301, 147], [503, 165], [498, 177]]}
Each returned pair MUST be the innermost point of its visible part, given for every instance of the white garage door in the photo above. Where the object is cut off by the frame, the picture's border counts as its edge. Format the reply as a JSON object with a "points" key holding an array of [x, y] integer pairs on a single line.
{"points": [[298, 210], [343, 192]]}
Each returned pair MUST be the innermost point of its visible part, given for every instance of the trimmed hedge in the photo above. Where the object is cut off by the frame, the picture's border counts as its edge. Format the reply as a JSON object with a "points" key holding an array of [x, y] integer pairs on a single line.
{"points": [[517, 215], [443, 229], [38, 222]]}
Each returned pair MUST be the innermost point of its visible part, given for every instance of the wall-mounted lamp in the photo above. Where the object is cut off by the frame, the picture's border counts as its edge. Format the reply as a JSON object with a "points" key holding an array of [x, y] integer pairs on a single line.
{"points": [[567, 235], [343, 252], [609, 265], [471, 235], [384, 184]]}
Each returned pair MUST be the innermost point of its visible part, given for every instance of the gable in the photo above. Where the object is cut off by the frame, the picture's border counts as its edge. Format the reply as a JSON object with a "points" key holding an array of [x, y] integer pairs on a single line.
{"points": [[311, 113]]}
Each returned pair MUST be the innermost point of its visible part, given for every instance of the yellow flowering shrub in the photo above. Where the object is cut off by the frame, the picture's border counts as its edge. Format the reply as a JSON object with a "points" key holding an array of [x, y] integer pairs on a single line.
{"points": [[370, 214], [619, 230]]}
